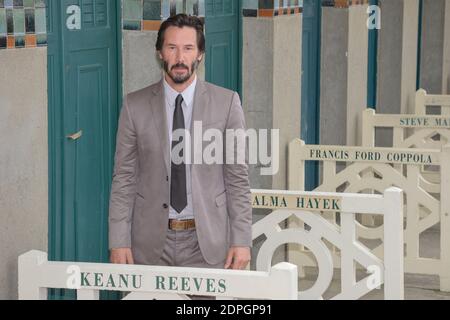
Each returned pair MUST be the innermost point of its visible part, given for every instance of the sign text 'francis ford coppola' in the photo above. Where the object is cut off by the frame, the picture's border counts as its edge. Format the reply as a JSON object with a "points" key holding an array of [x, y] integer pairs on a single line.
{"points": [[296, 202], [372, 155], [160, 282]]}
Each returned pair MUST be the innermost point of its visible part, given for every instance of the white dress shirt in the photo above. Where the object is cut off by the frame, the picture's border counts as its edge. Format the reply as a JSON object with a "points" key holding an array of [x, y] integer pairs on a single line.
{"points": [[187, 106]]}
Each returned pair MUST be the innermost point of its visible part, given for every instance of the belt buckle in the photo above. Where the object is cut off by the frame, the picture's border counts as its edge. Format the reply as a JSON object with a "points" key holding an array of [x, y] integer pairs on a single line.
{"points": [[178, 225]]}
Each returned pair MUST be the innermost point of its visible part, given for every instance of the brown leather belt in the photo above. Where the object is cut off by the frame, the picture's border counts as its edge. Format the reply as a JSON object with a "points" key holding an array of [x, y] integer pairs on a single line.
{"points": [[181, 224]]}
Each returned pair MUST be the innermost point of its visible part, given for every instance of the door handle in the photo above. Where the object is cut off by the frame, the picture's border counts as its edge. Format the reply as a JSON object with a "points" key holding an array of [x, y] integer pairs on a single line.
{"points": [[75, 136]]}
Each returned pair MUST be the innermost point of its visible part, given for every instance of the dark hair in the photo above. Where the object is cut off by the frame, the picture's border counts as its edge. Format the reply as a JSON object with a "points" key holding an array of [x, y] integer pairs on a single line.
{"points": [[182, 20]]}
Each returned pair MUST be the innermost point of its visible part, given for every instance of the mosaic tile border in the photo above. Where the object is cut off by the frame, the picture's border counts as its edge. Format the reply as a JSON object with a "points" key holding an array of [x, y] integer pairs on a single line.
{"points": [[147, 15], [343, 3], [22, 24], [271, 8]]}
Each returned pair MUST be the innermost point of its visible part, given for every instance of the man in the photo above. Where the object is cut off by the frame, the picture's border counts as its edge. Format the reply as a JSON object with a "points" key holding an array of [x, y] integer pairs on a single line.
{"points": [[164, 212]]}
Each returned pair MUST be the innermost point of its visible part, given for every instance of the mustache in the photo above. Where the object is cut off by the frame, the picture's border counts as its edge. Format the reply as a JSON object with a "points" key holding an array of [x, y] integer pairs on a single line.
{"points": [[179, 65]]}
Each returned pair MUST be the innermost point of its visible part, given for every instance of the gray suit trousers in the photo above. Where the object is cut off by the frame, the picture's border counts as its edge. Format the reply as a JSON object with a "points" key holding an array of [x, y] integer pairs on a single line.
{"points": [[182, 250]]}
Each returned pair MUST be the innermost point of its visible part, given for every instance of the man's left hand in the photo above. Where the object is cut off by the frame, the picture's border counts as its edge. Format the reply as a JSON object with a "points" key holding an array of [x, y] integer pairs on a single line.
{"points": [[237, 258]]}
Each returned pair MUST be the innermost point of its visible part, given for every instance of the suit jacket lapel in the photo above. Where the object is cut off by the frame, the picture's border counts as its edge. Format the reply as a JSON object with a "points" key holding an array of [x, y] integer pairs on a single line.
{"points": [[198, 113], [199, 105], [158, 107]]}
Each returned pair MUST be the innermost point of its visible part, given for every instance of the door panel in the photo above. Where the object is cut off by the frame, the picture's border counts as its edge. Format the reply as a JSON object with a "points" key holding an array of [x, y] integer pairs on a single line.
{"points": [[84, 60], [90, 73], [222, 43]]}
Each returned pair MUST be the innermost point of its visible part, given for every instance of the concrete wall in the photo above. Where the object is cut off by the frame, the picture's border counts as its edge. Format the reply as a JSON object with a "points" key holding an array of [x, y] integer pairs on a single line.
{"points": [[343, 82], [397, 61], [431, 75], [272, 92], [409, 55], [397, 56], [257, 88], [286, 87], [333, 76], [141, 65], [446, 67], [389, 57], [272, 84], [435, 51], [23, 160]]}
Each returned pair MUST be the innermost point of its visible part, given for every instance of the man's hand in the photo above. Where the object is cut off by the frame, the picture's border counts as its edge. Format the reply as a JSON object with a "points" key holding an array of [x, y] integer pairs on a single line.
{"points": [[121, 256], [237, 258]]}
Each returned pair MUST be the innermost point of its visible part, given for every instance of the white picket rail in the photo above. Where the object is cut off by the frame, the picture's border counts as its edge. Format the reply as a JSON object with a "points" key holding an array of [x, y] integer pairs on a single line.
{"points": [[410, 131], [423, 100], [424, 128], [374, 169], [37, 274], [307, 206]]}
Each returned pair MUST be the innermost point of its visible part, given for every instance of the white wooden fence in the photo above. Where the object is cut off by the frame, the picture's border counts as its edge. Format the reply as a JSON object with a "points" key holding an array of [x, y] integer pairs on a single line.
{"points": [[306, 206], [425, 132], [374, 169], [37, 274], [410, 131], [423, 100]]}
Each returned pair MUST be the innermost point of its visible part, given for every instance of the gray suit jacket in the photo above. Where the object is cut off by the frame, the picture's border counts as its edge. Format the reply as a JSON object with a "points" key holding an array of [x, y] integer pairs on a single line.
{"points": [[138, 211]]}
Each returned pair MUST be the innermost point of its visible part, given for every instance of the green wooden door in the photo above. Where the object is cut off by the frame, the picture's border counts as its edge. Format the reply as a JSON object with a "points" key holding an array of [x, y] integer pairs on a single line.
{"points": [[84, 97], [222, 26]]}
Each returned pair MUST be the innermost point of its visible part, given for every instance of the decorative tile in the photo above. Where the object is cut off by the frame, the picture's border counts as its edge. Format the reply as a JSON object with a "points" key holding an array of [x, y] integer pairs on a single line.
{"points": [[10, 42], [9, 21], [144, 14], [2, 42], [266, 4], [192, 7], [271, 8], [250, 12], [132, 10], [152, 10], [39, 20], [29, 21], [22, 23], [19, 41], [39, 3], [2, 21], [41, 40], [30, 40], [250, 4], [151, 25], [19, 21], [132, 25], [28, 3]]}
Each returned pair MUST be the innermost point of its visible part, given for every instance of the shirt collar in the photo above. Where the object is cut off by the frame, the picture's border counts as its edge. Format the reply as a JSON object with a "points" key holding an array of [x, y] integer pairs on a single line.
{"points": [[188, 93]]}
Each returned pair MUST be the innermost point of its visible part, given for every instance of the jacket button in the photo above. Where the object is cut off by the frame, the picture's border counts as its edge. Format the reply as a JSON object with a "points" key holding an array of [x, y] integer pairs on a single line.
{"points": [[165, 206], [167, 178]]}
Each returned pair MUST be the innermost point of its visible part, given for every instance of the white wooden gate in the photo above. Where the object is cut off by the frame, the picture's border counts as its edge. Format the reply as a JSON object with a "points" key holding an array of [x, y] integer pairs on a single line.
{"points": [[423, 100], [307, 206], [37, 274], [374, 170], [410, 131]]}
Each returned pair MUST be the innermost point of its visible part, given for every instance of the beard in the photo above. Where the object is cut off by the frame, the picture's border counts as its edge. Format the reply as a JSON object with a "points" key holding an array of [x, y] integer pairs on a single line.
{"points": [[179, 79]]}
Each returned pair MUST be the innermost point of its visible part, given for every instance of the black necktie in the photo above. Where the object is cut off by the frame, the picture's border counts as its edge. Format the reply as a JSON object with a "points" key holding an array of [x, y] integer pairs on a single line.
{"points": [[178, 195]]}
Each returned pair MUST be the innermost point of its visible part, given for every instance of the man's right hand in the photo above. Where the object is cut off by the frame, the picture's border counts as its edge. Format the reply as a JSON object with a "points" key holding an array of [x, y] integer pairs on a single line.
{"points": [[121, 256]]}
